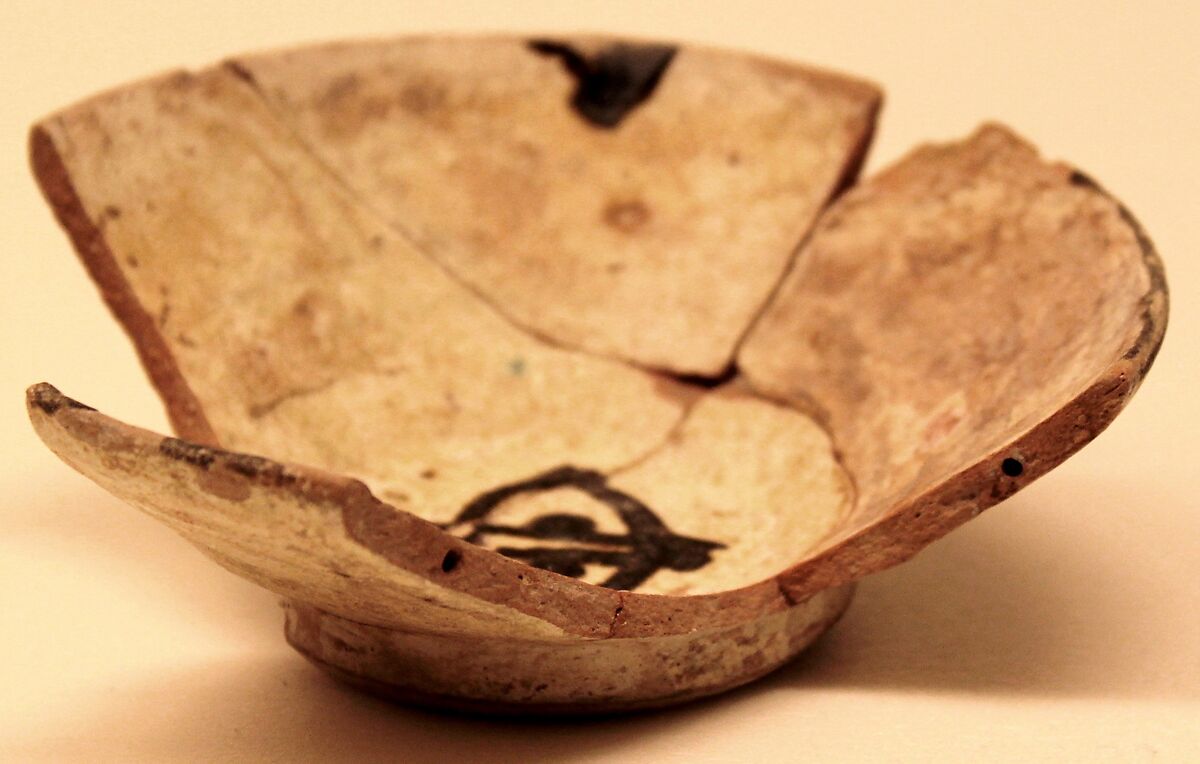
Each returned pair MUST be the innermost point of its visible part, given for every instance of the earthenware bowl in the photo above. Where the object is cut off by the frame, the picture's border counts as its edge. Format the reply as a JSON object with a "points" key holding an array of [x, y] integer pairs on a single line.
{"points": [[576, 375]]}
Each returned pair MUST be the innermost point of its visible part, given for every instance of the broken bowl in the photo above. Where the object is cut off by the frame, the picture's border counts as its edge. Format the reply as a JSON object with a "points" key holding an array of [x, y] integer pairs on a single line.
{"points": [[570, 376]]}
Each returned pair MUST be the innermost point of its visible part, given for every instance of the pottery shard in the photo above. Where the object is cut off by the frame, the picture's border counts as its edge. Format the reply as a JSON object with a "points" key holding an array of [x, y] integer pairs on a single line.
{"points": [[961, 323], [610, 197]]}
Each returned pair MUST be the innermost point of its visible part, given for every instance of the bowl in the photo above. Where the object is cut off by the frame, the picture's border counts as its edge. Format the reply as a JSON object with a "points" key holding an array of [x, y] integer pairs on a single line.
{"points": [[576, 375]]}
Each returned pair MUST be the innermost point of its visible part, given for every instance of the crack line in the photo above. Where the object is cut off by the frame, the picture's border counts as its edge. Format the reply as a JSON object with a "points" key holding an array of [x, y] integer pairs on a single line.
{"points": [[612, 625], [241, 72], [260, 410], [669, 437], [848, 179]]}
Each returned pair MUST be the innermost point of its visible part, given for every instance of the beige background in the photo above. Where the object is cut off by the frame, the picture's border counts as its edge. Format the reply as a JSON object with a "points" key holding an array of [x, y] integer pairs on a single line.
{"points": [[1063, 625]]}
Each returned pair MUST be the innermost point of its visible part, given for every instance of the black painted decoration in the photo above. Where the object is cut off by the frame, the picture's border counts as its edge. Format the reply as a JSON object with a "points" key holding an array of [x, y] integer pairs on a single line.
{"points": [[647, 547], [612, 82]]}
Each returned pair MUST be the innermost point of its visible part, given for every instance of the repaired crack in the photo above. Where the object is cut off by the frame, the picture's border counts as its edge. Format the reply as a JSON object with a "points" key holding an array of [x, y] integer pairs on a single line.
{"points": [[240, 71], [701, 384], [670, 436], [846, 180]]}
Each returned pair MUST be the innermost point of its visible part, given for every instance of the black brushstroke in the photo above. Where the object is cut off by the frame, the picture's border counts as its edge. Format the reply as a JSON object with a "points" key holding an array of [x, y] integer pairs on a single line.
{"points": [[613, 82], [648, 547]]}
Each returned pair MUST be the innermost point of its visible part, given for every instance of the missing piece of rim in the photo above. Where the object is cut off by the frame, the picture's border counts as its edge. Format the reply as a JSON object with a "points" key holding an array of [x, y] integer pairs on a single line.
{"points": [[581, 376]]}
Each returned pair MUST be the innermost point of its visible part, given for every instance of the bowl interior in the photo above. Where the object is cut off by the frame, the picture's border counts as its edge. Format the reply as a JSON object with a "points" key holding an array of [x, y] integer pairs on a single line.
{"points": [[594, 343]]}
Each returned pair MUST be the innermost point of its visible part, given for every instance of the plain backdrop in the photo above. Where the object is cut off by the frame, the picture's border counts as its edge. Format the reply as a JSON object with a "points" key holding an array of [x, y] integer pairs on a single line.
{"points": [[1063, 625]]}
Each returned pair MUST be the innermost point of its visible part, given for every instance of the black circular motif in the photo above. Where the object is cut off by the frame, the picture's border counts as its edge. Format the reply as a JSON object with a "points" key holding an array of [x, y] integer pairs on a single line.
{"points": [[647, 547]]}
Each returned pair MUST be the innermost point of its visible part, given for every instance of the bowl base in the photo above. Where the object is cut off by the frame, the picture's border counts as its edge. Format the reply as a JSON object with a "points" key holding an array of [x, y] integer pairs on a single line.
{"points": [[508, 675]]}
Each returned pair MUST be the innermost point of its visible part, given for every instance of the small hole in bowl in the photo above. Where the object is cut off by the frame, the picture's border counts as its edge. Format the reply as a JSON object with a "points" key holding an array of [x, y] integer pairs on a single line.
{"points": [[1012, 467], [450, 561]]}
